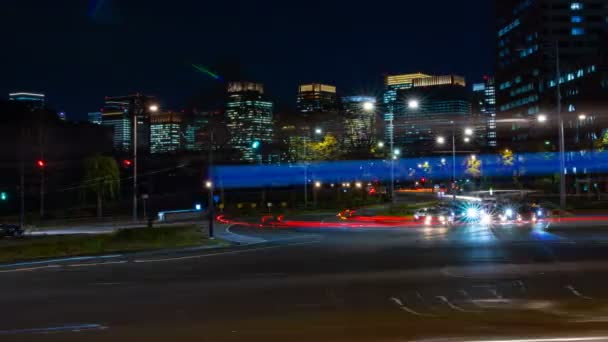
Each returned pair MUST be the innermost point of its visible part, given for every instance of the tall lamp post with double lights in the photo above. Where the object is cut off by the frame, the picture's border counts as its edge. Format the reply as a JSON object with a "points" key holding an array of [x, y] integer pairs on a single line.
{"points": [[468, 133], [139, 111]]}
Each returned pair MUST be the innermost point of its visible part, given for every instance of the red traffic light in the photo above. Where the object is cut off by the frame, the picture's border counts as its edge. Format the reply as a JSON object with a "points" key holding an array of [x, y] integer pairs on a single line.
{"points": [[41, 163], [422, 180], [127, 163]]}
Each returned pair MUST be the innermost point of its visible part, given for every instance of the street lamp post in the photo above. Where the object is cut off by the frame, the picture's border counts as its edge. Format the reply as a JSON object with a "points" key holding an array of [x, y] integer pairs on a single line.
{"points": [[468, 132], [139, 110]]}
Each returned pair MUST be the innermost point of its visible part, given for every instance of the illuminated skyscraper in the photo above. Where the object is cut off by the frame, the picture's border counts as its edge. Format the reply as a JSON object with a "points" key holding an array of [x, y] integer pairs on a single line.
{"points": [[249, 119], [32, 100], [484, 110], [359, 121], [317, 97], [165, 132], [426, 109], [530, 35], [118, 113]]}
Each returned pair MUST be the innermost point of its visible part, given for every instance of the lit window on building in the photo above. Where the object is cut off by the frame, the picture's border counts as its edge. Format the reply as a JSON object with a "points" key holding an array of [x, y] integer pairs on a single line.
{"points": [[578, 31], [571, 108], [576, 6], [576, 19]]}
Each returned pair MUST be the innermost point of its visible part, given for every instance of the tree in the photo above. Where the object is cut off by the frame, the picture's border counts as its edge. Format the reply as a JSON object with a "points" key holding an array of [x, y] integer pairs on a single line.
{"points": [[507, 158], [473, 167], [303, 150], [101, 177], [601, 143], [327, 149]]}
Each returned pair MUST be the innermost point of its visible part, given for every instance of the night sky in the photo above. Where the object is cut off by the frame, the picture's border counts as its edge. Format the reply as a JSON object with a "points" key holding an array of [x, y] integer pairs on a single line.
{"points": [[78, 51]]}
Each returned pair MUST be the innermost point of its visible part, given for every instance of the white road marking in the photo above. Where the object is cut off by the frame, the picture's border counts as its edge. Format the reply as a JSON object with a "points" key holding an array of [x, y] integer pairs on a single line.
{"points": [[73, 328], [405, 308], [576, 293], [562, 339], [451, 305], [29, 269], [223, 253], [98, 264]]}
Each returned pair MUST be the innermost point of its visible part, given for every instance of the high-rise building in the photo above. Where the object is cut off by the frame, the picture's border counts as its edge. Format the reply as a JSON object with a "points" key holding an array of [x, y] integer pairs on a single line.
{"points": [[359, 121], [484, 111], [317, 97], [426, 109], [166, 132], [249, 119], [392, 84], [531, 35], [197, 130], [118, 113], [33, 100], [94, 117]]}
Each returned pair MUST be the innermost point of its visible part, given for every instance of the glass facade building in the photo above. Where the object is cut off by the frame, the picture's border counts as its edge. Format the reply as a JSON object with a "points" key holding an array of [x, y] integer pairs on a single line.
{"points": [[530, 36], [94, 118], [359, 121], [249, 119], [165, 132], [416, 127], [484, 109], [317, 97]]}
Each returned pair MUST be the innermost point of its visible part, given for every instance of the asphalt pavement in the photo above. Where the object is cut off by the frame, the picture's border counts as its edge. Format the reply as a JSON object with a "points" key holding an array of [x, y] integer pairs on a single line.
{"points": [[469, 283]]}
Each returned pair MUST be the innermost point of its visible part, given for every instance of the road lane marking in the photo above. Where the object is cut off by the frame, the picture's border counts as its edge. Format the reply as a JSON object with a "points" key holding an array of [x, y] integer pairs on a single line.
{"points": [[50, 261], [562, 339], [577, 293], [98, 264], [452, 305], [74, 328], [222, 253], [29, 269], [405, 308]]}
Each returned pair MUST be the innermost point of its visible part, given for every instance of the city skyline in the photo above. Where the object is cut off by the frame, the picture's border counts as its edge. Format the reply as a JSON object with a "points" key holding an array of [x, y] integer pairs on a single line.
{"points": [[100, 61]]}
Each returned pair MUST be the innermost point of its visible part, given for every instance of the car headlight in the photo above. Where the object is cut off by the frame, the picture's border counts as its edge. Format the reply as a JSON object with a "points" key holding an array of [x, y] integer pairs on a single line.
{"points": [[486, 218], [472, 213], [534, 218], [539, 213], [503, 218], [428, 219], [509, 213], [442, 219]]}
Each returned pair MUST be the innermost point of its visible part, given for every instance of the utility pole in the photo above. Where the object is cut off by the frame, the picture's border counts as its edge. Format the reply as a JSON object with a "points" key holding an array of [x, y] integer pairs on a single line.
{"points": [[210, 184], [562, 147], [22, 183], [392, 156], [136, 111], [453, 160]]}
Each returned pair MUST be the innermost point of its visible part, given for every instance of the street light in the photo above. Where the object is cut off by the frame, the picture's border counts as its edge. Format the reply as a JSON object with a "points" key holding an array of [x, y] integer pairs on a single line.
{"points": [[397, 152], [153, 108], [380, 144], [318, 131], [440, 140], [413, 104], [542, 118], [318, 184], [359, 185], [473, 157], [208, 184], [468, 132], [369, 106], [467, 139], [582, 117]]}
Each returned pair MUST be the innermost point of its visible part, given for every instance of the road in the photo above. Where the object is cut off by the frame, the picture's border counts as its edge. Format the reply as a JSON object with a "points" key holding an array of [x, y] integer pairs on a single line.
{"points": [[468, 283]]}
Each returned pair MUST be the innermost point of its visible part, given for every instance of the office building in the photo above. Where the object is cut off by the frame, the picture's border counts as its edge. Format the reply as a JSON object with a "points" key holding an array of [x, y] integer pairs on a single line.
{"points": [[94, 118], [426, 110], [531, 35], [359, 121], [33, 101], [484, 111], [249, 119], [118, 113], [394, 83], [317, 97], [166, 132]]}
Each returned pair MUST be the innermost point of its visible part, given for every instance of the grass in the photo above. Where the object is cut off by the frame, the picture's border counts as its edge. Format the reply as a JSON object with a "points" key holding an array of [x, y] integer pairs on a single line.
{"points": [[124, 240]]}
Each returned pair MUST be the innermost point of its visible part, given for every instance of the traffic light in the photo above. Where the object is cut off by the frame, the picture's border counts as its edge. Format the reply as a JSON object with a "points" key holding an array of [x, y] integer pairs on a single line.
{"points": [[127, 163], [255, 145], [3, 196], [41, 164], [422, 181]]}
